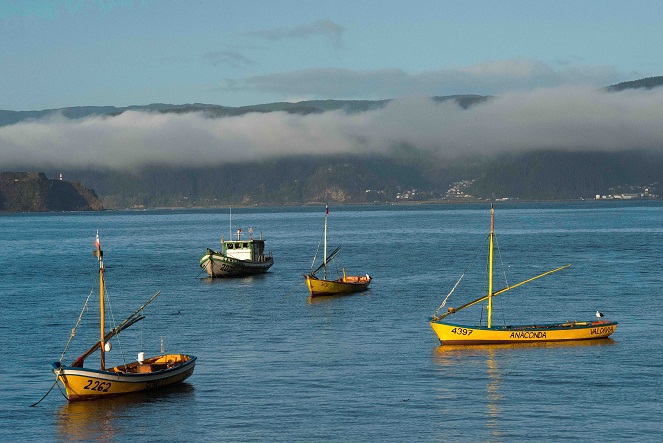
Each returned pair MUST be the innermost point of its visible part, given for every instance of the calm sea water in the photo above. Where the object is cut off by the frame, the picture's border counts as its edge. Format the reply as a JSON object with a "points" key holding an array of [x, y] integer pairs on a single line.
{"points": [[275, 366]]}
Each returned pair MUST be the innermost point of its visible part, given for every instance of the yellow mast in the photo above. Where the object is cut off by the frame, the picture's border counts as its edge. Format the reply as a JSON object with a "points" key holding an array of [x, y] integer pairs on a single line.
{"points": [[498, 292], [490, 267], [100, 254]]}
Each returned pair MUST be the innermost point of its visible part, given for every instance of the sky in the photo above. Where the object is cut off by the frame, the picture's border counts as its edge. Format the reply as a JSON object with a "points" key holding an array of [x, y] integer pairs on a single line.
{"points": [[543, 61]]}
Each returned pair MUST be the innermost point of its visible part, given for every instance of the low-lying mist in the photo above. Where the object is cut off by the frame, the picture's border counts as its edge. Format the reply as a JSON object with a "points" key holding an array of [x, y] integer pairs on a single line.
{"points": [[565, 118]]}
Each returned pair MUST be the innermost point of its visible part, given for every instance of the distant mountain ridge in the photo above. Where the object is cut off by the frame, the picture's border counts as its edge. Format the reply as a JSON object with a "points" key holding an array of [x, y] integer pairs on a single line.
{"points": [[644, 83], [8, 117], [405, 174], [303, 108]]}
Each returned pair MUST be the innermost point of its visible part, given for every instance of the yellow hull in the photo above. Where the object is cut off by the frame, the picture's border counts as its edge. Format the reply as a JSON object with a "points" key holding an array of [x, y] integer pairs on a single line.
{"points": [[153, 373], [347, 285], [450, 334]]}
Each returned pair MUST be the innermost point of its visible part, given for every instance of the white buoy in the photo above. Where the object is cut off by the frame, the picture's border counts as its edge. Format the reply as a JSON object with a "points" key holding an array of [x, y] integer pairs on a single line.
{"points": [[108, 346], [141, 357]]}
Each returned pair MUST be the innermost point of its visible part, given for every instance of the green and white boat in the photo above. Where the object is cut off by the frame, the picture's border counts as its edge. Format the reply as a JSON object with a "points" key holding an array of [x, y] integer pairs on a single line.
{"points": [[238, 257]]}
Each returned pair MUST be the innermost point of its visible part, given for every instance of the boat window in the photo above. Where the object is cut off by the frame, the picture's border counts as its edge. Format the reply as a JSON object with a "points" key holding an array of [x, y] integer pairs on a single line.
{"points": [[230, 246], [245, 245]]}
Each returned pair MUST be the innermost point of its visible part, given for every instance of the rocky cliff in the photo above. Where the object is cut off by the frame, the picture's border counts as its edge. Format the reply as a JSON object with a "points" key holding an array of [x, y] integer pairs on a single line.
{"points": [[33, 192]]}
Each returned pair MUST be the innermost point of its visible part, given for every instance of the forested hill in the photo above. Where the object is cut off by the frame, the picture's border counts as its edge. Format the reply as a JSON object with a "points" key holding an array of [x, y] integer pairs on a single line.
{"points": [[406, 175], [416, 177], [645, 83]]}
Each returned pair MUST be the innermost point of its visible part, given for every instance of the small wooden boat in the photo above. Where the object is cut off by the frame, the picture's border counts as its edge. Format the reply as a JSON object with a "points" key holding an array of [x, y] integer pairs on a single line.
{"points": [[455, 334], [146, 373], [238, 257], [342, 285]]}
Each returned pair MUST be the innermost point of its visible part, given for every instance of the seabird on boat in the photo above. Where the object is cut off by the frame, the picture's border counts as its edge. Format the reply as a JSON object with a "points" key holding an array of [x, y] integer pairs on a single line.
{"points": [[599, 314]]}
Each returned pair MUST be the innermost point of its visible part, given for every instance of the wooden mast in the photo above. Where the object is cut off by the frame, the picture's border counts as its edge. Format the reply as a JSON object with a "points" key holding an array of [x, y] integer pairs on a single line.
{"points": [[490, 266], [325, 243], [102, 339], [133, 318], [496, 293]]}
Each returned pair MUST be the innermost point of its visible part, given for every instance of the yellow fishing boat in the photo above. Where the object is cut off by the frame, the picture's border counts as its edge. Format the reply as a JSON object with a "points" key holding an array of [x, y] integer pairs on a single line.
{"points": [[82, 383], [342, 285], [455, 334]]}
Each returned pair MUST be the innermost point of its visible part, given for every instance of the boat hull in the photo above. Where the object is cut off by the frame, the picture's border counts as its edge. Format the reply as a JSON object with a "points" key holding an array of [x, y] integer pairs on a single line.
{"points": [[218, 265], [156, 372], [347, 285], [451, 334]]}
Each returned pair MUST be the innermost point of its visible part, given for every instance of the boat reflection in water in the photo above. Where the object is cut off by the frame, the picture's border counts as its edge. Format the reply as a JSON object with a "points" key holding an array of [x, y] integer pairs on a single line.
{"points": [[459, 361], [322, 299], [103, 421]]}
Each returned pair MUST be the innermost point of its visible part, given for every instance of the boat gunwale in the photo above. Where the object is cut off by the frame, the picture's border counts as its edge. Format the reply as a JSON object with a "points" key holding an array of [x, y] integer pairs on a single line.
{"points": [[348, 287], [129, 377], [547, 327], [220, 257], [125, 377]]}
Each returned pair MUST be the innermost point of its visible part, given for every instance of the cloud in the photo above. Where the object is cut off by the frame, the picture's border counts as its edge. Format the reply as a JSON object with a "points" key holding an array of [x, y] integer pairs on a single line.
{"points": [[229, 58], [567, 118], [488, 78], [324, 28]]}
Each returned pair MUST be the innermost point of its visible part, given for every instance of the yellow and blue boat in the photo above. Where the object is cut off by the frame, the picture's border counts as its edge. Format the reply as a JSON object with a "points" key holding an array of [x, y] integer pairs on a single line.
{"points": [[456, 334], [83, 383]]}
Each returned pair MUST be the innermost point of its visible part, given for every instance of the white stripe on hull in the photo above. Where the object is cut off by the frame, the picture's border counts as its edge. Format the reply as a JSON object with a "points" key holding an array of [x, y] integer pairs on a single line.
{"points": [[219, 266]]}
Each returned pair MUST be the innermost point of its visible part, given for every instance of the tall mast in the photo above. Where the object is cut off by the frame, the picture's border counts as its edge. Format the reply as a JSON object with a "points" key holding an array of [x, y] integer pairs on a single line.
{"points": [[490, 266], [100, 255], [231, 222], [325, 247]]}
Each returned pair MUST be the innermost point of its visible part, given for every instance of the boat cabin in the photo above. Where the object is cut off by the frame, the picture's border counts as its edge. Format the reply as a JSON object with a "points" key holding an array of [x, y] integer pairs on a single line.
{"points": [[252, 249]]}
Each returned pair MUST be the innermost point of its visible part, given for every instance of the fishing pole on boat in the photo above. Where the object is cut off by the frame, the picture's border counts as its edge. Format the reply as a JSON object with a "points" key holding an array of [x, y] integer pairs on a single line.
{"points": [[130, 320], [331, 256], [501, 291]]}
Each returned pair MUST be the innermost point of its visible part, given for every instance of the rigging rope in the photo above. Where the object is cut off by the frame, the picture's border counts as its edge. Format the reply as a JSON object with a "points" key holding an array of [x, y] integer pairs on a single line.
{"points": [[117, 336], [506, 282], [499, 253], [316, 254], [141, 333], [73, 331], [444, 302]]}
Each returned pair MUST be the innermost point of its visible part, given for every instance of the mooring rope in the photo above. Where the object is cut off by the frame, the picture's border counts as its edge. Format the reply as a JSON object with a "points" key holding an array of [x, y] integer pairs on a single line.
{"points": [[48, 392], [71, 337]]}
